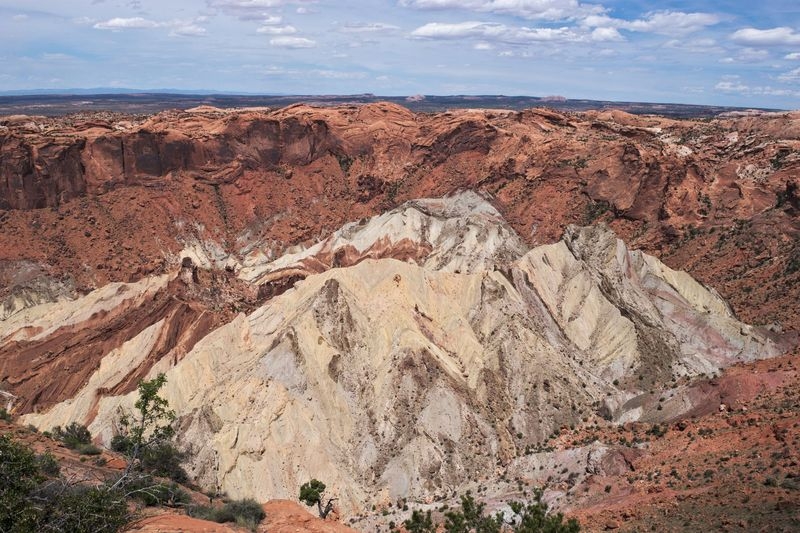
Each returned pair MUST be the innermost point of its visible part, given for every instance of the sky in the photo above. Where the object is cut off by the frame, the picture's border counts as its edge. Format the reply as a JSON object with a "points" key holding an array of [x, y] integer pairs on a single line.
{"points": [[735, 52]]}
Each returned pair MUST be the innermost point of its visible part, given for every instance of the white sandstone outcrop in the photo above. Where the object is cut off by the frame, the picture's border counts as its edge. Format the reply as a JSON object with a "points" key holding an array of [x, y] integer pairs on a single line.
{"points": [[407, 377]]}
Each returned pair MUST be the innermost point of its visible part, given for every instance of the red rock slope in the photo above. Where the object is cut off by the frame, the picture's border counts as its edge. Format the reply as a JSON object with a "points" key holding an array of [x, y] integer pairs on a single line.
{"points": [[98, 198]]}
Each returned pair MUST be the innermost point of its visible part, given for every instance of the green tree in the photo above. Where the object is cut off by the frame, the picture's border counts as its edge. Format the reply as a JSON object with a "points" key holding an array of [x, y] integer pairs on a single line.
{"points": [[420, 523], [19, 478], [534, 518], [84, 509], [471, 517], [145, 435], [312, 493], [33, 502]]}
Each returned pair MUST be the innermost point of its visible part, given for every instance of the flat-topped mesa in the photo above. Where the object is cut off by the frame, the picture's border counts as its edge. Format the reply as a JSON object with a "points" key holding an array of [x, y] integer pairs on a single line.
{"points": [[462, 233]]}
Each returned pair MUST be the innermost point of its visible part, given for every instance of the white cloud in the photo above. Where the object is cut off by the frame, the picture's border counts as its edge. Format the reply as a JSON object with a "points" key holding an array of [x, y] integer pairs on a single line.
{"points": [[269, 20], [752, 55], [187, 30], [250, 9], [368, 27], [245, 4], [792, 76], [661, 22], [529, 9], [179, 28], [118, 23], [606, 34], [700, 46], [793, 56], [277, 30], [19, 18], [489, 31], [772, 37], [747, 55], [734, 85], [673, 22], [292, 42], [57, 57], [483, 46], [338, 75]]}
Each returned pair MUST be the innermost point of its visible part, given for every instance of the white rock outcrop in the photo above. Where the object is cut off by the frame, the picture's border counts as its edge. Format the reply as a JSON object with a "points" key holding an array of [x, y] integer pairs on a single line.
{"points": [[408, 377]]}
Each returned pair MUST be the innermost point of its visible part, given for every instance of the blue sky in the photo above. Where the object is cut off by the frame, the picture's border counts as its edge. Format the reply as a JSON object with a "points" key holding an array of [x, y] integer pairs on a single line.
{"points": [[737, 52]]}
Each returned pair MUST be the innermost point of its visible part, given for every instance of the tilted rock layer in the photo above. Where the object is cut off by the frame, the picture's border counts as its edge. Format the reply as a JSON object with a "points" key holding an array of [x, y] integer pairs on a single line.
{"points": [[401, 356]]}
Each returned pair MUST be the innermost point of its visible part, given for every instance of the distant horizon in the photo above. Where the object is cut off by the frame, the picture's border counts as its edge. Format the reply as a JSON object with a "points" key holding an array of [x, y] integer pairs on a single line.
{"points": [[132, 91]]}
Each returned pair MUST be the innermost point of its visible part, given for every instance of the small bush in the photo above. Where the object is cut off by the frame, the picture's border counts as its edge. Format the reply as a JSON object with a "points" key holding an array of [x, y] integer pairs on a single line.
{"points": [[5, 415], [48, 464], [121, 444], [29, 501], [246, 513], [152, 494], [82, 509], [161, 459], [88, 449], [164, 460], [73, 435]]}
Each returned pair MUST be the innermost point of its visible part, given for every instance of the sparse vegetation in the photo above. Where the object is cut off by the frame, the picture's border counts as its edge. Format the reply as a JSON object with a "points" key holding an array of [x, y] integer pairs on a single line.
{"points": [[312, 493], [595, 210], [34, 498], [245, 513], [146, 436], [72, 435], [345, 162], [420, 522], [470, 516]]}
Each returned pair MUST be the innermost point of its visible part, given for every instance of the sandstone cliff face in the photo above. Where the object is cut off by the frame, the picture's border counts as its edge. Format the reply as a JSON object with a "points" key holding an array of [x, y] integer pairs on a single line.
{"points": [[116, 198], [397, 378]]}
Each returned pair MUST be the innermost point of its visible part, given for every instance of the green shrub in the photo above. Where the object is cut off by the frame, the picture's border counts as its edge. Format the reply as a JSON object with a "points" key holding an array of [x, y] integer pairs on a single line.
{"points": [[164, 460], [88, 449], [531, 517], [152, 494], [161, 459], [121, 444], [246, 513], [19, 478], [420, 523], [48, 465], [82, 509], [30, 502], [5, 415], [73, 435]]}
